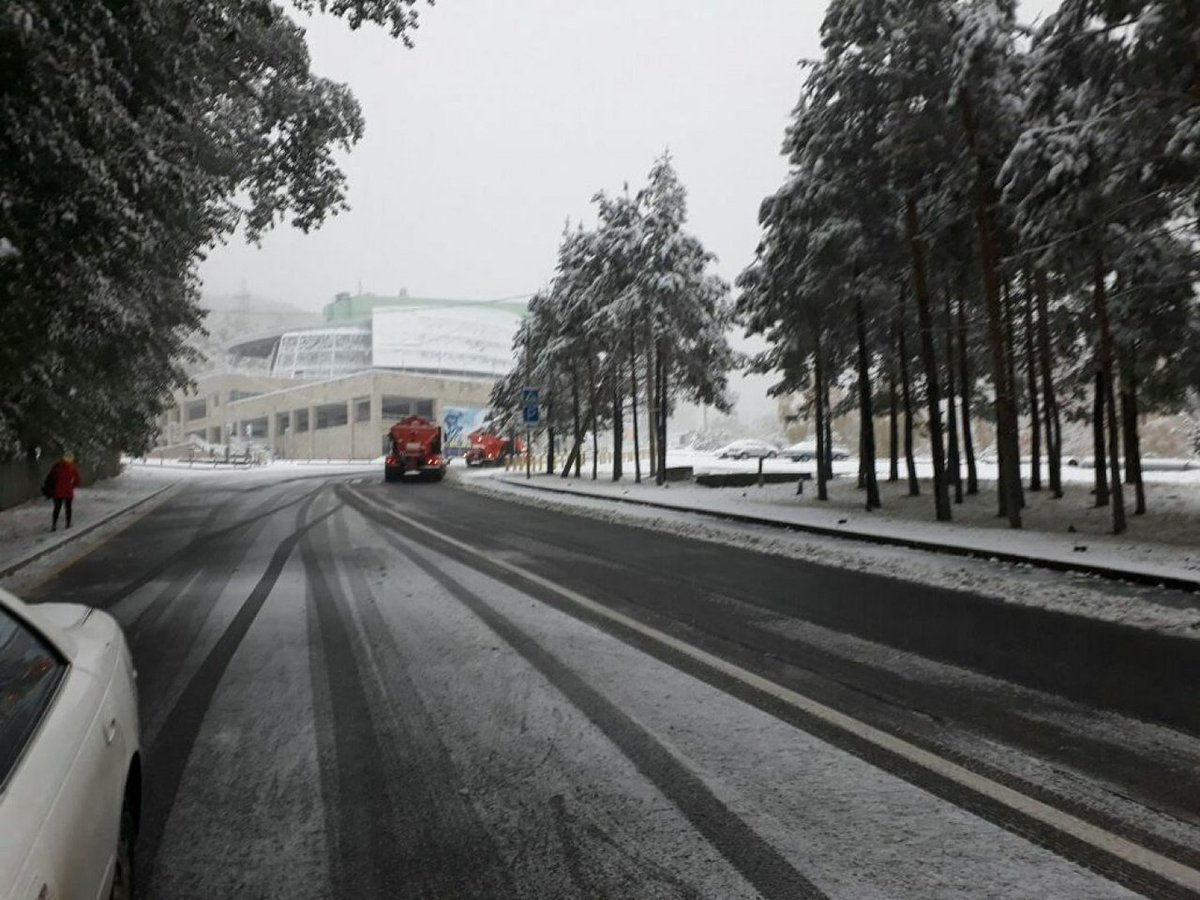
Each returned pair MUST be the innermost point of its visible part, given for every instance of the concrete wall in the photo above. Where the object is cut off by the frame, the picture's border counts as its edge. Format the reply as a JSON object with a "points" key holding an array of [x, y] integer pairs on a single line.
{"points": [[216, 391], [21, 481], [286, 398]]}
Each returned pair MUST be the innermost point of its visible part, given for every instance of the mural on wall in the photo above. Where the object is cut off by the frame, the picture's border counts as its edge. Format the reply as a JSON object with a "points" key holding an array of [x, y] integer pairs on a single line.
{"points": [[457, 423]]}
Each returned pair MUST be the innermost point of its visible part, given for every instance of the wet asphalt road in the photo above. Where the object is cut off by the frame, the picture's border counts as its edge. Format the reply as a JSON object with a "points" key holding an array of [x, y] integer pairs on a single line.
{"points": [[350, 688]]}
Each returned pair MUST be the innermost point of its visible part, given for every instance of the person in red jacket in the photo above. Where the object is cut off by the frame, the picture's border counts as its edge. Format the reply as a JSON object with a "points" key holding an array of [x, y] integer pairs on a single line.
{"points": [[63, 478]]}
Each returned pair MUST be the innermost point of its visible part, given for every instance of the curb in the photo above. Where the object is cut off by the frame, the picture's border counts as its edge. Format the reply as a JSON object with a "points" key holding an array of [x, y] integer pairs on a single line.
{"points": [[1111, 573], [14, 567]]}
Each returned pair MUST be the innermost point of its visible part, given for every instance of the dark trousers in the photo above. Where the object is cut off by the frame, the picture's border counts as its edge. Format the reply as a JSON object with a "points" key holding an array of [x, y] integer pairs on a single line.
{"points": [[58, 506]]}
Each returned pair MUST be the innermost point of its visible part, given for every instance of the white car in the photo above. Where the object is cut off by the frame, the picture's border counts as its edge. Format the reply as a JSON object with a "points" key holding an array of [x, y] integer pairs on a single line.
{"points": [[806, 450], [70, 769], [748, 448]]}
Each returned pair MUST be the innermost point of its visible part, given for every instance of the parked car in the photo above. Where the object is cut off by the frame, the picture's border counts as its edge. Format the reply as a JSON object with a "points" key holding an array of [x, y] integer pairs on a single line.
{"points": [[748, 448], [807, 450], [70, 770]]}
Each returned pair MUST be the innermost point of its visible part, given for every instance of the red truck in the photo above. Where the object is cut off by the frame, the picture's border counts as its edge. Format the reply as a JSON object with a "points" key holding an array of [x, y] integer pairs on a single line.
{"points": [[416, 449], [489, 449]]}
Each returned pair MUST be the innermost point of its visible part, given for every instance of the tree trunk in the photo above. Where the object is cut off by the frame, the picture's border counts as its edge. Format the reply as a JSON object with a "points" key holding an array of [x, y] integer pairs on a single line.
{"points": [[576, 425], [1107, 366], [575, 457], [593, 412], [910, 462], [822, 412], [827, 462], [951, 411], [661, 377], [549, 446], [1008, 440], [618, 431], [964, 371], [1133, 443], [1035, 419], [633, 385], [893, 430], [1010, 353], [941, 496], [652, 408], [572, 460], [1099, 464], [1050, 406], [866, 450]]}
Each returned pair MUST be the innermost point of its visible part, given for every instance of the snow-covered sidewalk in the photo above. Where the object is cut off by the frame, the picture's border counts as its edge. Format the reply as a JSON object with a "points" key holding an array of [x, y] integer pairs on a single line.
{"points": [[25, 534], [26, 541]]}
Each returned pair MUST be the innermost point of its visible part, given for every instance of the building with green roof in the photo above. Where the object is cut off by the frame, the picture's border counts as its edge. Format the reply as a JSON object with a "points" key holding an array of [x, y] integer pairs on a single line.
{"points": [[346, 308]]}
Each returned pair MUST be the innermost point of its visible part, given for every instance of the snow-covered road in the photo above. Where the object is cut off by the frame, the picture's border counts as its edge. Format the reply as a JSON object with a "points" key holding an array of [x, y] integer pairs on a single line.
{"points": [[357, 689]]}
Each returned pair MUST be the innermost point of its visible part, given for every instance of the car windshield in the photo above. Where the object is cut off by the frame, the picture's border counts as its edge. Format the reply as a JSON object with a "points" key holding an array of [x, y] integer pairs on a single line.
{"points": [[29, 675]]}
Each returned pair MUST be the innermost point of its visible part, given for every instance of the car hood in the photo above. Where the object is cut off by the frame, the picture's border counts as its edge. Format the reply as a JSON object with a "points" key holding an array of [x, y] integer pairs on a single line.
{"points": [[63, 616]]}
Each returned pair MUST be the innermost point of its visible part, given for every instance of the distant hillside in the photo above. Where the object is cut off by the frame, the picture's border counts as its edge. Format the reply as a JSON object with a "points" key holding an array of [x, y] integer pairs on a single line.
{"points": [[231, 318]]}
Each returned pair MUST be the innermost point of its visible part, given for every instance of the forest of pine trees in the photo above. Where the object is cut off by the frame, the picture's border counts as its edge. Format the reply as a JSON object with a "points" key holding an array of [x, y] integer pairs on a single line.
{"points": [[987, 221]]}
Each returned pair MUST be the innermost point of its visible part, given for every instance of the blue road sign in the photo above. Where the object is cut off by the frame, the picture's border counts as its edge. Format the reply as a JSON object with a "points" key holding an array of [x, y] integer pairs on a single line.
{"points": [[531, 415], [530, 396]]}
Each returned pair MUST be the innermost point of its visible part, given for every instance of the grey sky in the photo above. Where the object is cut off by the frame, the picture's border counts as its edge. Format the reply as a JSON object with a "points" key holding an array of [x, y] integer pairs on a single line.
{"points": [[508, 116]]}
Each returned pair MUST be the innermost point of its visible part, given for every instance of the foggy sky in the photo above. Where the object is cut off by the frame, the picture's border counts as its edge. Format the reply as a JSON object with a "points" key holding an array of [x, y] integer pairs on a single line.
{"points": [[508, 116]]}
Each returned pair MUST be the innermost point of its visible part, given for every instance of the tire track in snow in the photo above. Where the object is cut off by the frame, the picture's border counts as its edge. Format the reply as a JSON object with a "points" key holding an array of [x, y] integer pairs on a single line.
{"points": [[401, 827], [758, 862], [1111, 855], [168, 756]]}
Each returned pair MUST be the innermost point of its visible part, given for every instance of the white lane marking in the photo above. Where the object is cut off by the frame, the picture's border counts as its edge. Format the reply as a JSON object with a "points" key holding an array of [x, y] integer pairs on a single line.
{"points": [[1086, 832]]}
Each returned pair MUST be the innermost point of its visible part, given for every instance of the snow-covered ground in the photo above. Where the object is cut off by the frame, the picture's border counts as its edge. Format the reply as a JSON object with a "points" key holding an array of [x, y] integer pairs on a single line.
{"points": [[1172, 518], [25, 529], [1173, 497], [1140, 606]]}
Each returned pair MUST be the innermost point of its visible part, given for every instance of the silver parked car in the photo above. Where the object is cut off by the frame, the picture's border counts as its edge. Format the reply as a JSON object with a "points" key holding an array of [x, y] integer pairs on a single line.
{"points": [[748, 448], [807, 450]]}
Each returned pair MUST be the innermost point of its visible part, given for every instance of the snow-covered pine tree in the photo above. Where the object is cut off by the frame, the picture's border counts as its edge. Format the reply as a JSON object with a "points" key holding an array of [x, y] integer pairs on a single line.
{"points": [[687, 308]]}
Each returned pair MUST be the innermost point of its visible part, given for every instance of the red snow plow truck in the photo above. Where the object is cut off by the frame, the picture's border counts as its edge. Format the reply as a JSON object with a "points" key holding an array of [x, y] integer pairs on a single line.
{"points": [[489, 449], [416, 450]]}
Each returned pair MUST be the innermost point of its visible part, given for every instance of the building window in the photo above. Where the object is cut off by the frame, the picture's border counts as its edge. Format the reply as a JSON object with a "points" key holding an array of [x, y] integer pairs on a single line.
{"points": [[331, 415], [196, 409], [301, 418], [255, 429], [396, 407], [362, 410], [425, 408], [242, 395], [283, 421]]}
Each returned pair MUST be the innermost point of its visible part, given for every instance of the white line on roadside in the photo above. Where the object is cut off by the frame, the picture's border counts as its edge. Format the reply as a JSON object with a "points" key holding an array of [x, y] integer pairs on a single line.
{"points": [[1086, 832]]}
